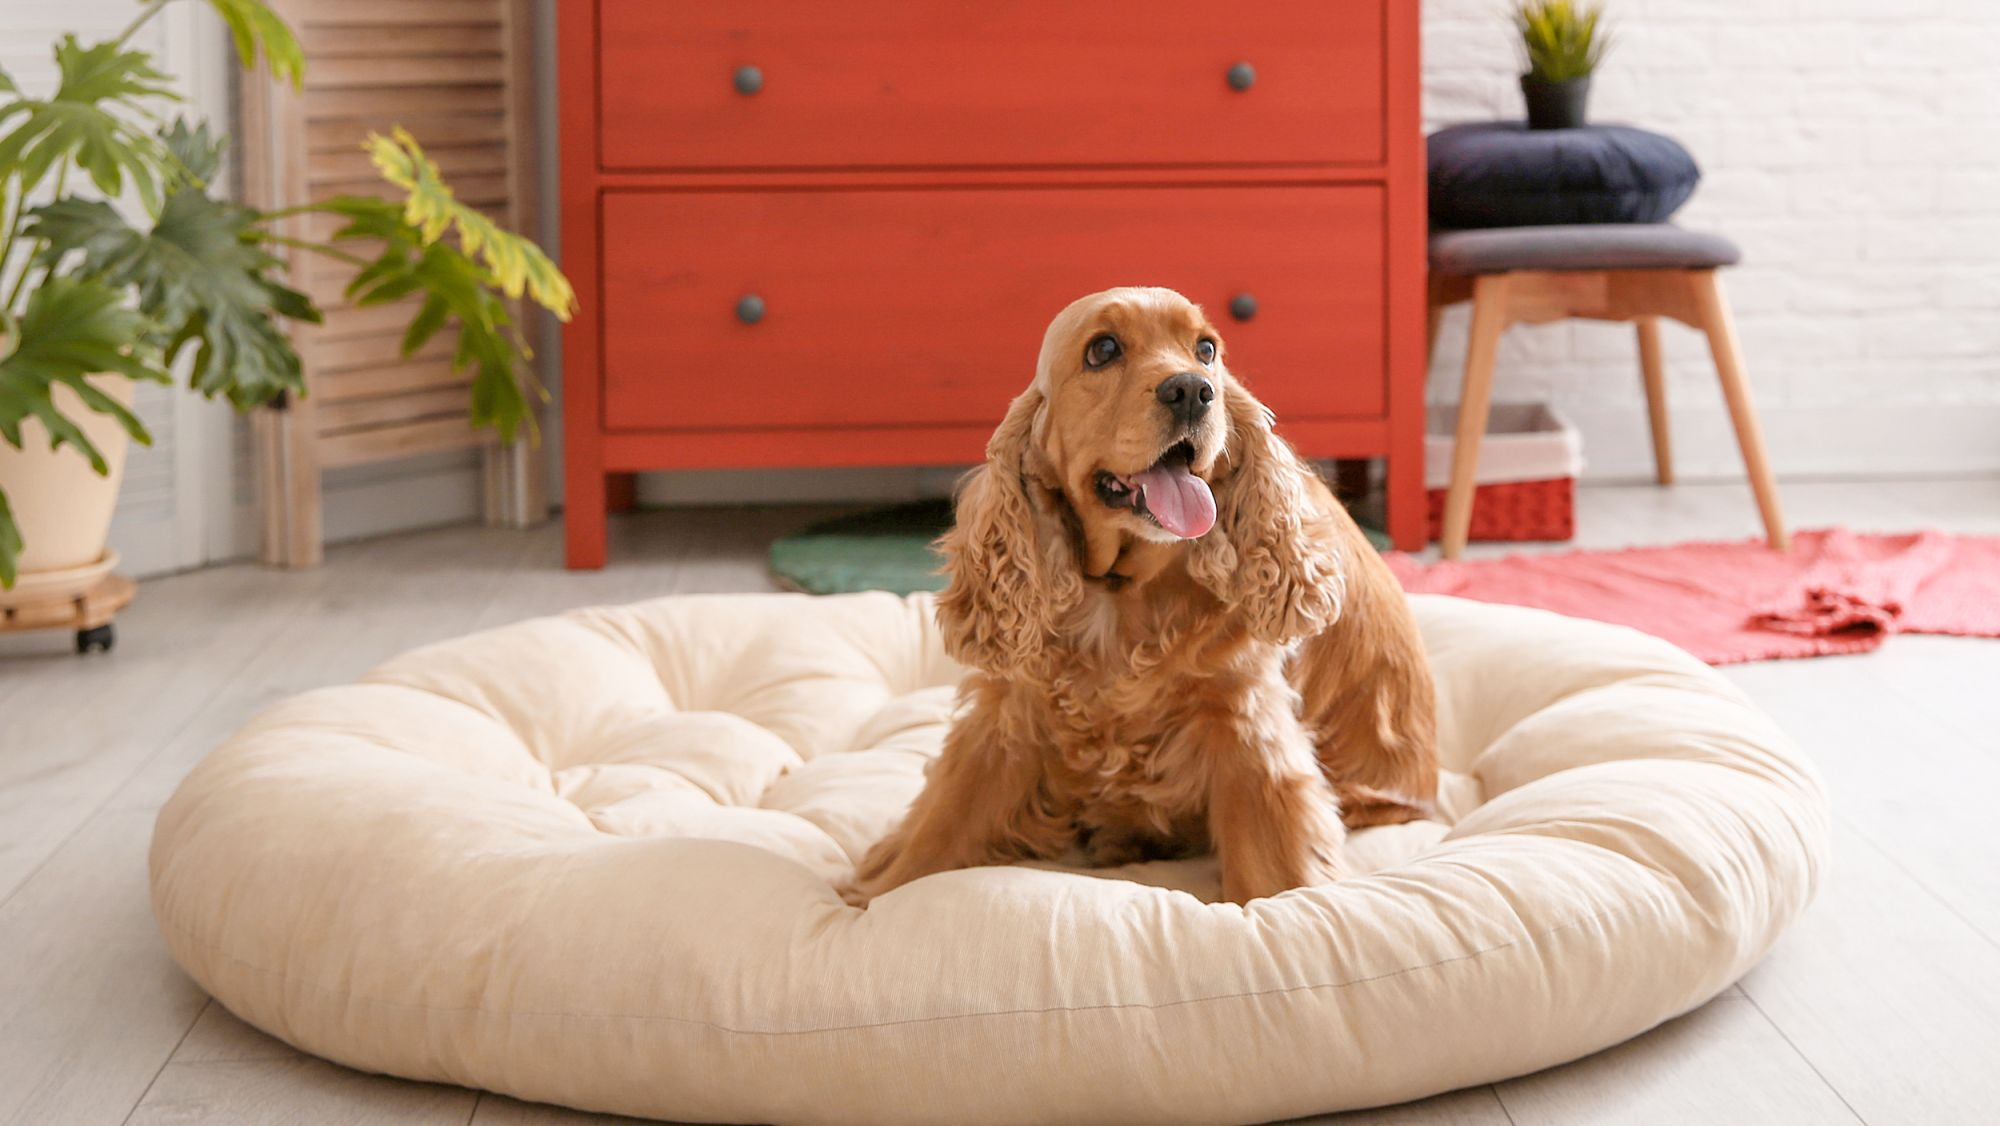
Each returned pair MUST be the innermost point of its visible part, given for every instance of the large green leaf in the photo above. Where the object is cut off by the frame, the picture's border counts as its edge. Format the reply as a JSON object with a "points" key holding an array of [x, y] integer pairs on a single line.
{"points": [[105, 72], [252, 25], [456, 287], [87, 120], [462, 279], [197, 151], [517, 265], [201, 276], [72, 328], [87, 225]]}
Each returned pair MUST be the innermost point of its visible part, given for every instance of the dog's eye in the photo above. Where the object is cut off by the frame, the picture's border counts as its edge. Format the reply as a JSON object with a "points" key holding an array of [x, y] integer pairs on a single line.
{"points": [[1101, 350], [1204, 350]]}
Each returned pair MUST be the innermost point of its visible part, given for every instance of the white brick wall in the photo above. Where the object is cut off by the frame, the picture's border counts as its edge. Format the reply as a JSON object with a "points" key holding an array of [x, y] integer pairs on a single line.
{"points": [[1853, 148]]}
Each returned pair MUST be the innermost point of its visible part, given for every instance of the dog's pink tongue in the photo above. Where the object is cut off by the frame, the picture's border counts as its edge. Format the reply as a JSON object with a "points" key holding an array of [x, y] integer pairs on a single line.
{"points": [[1179, 500]]}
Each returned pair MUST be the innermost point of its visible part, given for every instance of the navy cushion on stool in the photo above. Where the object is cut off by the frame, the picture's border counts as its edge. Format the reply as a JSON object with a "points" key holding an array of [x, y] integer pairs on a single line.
{"points": [[1589, 246], [1504, 174]]}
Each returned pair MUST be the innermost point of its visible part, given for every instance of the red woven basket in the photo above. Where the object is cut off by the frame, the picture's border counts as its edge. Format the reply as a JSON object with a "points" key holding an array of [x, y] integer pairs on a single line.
{"points": [[1516, 510]]}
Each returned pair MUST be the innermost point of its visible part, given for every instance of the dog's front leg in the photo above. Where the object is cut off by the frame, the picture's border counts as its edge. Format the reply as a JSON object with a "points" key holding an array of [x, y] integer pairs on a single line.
{"points": [[979, 806], [1272, 817]]}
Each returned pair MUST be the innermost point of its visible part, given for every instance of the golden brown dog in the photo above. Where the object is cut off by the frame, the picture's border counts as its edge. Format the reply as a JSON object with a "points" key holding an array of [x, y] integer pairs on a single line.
{"points": [[1178, 638]]}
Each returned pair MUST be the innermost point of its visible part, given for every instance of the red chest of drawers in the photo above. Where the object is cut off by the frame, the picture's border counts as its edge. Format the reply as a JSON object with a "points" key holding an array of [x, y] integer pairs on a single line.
{"points": [[811, 234]]}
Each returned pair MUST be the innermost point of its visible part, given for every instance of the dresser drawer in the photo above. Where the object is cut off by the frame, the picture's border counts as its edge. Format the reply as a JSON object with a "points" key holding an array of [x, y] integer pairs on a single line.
{"points": [[897, 307], [1036, 83]]}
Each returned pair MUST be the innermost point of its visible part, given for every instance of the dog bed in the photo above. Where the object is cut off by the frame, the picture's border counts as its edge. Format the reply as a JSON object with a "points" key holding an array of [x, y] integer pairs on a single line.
{"points": [[590, 860]]}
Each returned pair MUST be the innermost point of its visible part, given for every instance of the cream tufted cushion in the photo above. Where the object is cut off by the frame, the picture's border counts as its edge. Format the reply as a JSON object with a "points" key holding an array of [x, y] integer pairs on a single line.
{"points": [[587, 860]]}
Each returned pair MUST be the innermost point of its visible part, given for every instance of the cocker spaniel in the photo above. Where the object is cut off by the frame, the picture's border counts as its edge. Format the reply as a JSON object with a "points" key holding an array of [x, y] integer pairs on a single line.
{"points": [[1177, 638]]}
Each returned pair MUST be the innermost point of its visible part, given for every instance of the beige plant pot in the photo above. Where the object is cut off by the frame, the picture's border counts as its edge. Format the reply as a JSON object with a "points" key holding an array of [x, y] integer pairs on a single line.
{"points": [[62, 506]]}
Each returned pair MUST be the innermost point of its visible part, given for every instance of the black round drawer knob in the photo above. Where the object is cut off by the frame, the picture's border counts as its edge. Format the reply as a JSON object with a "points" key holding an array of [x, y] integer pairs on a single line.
{"points": [[750, 308], [749, 79], [1242, 76], [1243, 306]]}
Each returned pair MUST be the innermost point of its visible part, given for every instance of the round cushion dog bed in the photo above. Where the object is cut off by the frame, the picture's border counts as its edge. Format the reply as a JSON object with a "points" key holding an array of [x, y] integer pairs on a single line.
{"points": [[590, 860]]}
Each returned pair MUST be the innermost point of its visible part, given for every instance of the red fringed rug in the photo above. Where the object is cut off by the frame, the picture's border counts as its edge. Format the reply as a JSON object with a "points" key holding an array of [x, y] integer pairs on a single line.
{"points": [[1835, 592]]}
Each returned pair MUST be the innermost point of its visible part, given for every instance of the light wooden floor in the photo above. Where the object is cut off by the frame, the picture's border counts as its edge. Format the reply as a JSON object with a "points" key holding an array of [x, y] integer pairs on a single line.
{"points": [[1882, 1005]]}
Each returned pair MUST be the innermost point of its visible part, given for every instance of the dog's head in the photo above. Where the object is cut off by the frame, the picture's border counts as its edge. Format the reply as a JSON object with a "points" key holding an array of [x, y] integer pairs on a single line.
{"points": [[1135, 392], [1133, 440]]}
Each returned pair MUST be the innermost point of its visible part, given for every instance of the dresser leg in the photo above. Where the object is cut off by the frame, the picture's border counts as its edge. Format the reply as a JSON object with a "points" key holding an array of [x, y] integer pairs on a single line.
{"points": [[585, 503], [621, 492], [1404, 493]]}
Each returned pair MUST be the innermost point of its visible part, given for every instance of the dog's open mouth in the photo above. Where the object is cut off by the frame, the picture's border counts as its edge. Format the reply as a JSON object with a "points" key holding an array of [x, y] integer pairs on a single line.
{"points": [[1167, 492]]}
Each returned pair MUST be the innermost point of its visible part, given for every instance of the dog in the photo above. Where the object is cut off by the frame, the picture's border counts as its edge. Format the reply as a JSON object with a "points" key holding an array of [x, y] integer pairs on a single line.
{"points": [[1176, 637]]}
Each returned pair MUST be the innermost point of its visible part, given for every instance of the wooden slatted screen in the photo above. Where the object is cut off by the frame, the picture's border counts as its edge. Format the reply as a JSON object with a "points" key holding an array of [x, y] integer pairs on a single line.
{"points": [[458, 74]]}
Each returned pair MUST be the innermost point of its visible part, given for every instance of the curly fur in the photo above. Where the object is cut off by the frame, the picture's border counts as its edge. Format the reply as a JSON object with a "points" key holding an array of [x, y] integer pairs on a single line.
{"points": [[1016, 584], [1133, 695], [1268, 556]]}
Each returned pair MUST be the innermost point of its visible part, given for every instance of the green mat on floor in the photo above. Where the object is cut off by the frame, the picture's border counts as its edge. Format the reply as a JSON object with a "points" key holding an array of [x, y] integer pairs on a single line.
{"points": [[882, 549]]}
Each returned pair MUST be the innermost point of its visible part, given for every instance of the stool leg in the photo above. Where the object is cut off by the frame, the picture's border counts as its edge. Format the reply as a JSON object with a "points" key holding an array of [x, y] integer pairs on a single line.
{"points": [[1656, 397], [1489, 320], [1721, 328]]}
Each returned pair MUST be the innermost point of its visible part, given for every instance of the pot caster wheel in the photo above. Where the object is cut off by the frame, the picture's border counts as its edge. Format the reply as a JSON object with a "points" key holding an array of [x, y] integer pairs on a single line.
{"points": [[95, 639]]}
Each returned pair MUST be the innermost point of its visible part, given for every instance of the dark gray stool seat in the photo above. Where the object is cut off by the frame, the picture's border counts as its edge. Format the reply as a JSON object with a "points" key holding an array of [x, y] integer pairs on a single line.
{"points": [[1600, 246]]}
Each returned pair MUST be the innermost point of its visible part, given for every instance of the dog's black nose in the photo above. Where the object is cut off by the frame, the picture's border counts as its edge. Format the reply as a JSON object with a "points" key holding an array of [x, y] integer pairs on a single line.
{"points": [[1187, 395]]}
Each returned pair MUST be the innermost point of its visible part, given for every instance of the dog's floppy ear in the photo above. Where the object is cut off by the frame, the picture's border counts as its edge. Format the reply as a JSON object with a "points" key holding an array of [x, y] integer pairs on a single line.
{"points": [[1267, 555], [1012, 568]]}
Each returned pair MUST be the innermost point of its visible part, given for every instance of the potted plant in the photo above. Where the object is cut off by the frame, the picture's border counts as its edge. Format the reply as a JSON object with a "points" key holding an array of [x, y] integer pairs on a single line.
{"points": [[94, 298], [1562, 45]]}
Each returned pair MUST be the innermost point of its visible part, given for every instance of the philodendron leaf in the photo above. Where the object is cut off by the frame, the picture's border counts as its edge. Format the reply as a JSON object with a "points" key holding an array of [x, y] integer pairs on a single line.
{"points": [[517, 265], [10, 541], [457, 287], [430, 317], [252, 24], [78, 121], [201, 276], [463, 263], [105, 72], [72, 328], [195, 149]]}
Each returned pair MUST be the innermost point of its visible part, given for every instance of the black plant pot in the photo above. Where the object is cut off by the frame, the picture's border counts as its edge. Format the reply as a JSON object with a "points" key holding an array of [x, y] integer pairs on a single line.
{"points": [[1556, 105]]}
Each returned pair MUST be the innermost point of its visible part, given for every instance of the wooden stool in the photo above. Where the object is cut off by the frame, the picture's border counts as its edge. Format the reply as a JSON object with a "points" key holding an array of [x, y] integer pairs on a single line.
{"points": [[1636, 272]]}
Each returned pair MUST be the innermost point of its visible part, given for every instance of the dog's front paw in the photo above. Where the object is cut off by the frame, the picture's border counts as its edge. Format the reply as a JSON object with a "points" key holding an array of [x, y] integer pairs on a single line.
{"points": [[865, 884], [853, 893], [1316, 866]]}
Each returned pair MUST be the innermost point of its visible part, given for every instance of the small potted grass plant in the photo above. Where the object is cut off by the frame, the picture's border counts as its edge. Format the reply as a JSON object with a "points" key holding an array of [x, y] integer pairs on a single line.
{"points": [[1562, 43], [96, 296]]}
